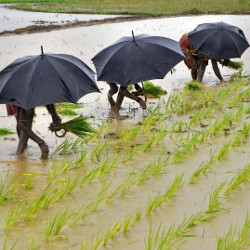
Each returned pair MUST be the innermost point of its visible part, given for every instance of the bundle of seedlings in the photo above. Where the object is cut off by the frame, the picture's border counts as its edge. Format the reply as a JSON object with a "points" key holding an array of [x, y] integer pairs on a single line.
{"points": [[5, 131], [151, 90], [67, 109], [193, 86], [232, 65], [78, 126]]}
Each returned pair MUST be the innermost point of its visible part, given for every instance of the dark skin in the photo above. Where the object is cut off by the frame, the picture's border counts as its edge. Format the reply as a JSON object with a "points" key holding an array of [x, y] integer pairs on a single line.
{"points": [[123, 92], [24, 129], [197, 74]]}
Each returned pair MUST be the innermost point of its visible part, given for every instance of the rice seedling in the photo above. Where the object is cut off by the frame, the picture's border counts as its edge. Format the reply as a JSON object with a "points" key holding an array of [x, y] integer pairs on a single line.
{"points": [[56, 225], [6, 131], [97, 242], [193, 86], [64, 148], [67, 109], [161, 198], [242, 176], [128, 135], [153, 238], [12, 218], [98, 150], [215, 200], [9, 247], [231, 241], [8, 188], [107, 165], [111, 232], [143, 175], [127, 223], [90, 208], [158, 165], [137, 217], [246, 129], [29, 180], [122, 188], [149, 142], [78, 126], [152, 90], [57, 169], [237, 140], [130, 154], [224, 150]]}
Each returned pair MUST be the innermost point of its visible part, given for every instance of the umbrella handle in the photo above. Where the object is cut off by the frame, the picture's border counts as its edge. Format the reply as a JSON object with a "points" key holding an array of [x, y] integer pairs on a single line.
{"points": [[62, 133]]}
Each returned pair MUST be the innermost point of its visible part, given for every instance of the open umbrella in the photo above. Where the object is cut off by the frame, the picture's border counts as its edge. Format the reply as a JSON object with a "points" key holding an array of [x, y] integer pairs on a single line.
{"points": [[137, 58], [218, 40], [44, 79]]}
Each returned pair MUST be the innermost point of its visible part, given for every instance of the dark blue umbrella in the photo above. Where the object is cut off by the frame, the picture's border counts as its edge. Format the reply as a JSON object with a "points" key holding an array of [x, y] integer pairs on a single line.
{"points": [[218, 40], [137, 58], [44, 79]]}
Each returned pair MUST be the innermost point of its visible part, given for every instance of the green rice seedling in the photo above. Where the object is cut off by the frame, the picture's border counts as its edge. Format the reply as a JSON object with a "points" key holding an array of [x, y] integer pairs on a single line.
{"points": [[56, 225], [231, 241], [242, 176], [239, 112], [127, 223], [57, 169], [193, 86], [150, 142], [129, 134], [98, 150], [196, 117], [237, 75], [80, 158], [97, 242], [92, 207], [111, 232], [160, 199], [130, 154], [153, 238], [6, 131], [29, 180], [224, 150], [158, 165], [137, 217], [237, 140], [5, 244], [203, 168], [8, 188], [247, 110], [143, 175], [68, 112], [78, 126], [246, 129], [206, 134], [12, 218], [215, 200], [151, 89], [107, 165], [122, 188], [160, 135], [63, 149]]}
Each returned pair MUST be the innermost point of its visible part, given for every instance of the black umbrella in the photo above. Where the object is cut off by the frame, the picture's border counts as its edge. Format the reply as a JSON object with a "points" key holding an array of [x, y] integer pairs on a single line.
{"points": [[218, 40], [44, 79], [134, 59]]}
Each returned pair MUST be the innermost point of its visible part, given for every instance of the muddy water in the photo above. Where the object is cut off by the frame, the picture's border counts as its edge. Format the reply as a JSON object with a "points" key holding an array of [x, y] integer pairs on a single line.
{"points": [[84, 43]]}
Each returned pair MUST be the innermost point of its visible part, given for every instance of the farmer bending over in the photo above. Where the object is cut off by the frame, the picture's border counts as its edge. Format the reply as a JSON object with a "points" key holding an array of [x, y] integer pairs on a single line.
{"points": [[198, 62], [24, 127], [121, 94]]}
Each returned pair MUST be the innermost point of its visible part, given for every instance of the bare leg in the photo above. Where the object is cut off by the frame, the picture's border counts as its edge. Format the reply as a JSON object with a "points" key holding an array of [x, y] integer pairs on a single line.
{"points": [[23, 137], [216, 69], [194, 74], [201, 71], [113, 90], [23, 117], [124, 92]]}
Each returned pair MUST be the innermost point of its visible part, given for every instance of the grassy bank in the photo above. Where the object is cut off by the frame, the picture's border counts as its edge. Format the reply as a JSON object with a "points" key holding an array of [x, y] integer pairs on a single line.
{"points": [[149, 7]]}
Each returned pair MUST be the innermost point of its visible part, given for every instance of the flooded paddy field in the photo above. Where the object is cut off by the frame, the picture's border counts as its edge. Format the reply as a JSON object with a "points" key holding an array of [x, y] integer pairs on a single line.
{"points": [[173, 177]]}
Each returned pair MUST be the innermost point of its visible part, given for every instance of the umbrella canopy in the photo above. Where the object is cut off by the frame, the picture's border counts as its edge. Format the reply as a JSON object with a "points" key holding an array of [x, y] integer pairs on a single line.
{"points": [[134, 59], [218, 40], [44, 79]]}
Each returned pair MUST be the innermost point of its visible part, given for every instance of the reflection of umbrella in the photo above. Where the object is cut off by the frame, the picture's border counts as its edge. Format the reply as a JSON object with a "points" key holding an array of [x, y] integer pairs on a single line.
{"points": [[44, 79], [218, 40], [134, 59]]}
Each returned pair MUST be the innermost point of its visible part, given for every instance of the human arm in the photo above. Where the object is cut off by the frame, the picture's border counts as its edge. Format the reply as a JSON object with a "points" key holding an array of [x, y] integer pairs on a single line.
{"points": [[216, 70], [55, 117]]}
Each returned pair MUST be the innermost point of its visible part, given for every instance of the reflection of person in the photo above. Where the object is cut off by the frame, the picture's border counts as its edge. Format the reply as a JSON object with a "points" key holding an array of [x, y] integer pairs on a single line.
{"points": [[198, 62], [121, 94], [24, 127]]}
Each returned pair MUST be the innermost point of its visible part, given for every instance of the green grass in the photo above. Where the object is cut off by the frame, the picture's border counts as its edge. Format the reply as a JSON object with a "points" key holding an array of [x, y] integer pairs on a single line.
{"points": [[156, 7]]}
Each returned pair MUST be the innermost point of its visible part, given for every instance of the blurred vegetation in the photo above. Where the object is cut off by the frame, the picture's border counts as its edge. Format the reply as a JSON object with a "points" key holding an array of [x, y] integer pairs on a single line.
{"points": [[149, 7]]}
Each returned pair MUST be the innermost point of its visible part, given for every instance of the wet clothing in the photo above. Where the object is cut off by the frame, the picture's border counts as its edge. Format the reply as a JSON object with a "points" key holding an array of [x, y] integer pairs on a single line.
{"points": [[12, 110], [193, 60]]}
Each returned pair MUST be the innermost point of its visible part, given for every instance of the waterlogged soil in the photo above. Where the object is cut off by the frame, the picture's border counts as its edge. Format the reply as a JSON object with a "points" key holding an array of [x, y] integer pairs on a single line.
{"points": [[129, 156]]}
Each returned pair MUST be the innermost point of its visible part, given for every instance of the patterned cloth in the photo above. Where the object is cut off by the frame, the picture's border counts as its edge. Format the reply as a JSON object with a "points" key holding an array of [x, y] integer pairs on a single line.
{"points": [[193, 60], [12, 109]]}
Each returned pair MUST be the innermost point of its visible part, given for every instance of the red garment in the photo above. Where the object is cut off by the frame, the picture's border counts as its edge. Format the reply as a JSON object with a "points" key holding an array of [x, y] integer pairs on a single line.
{"points": [[193, 60], [12, 109]]}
